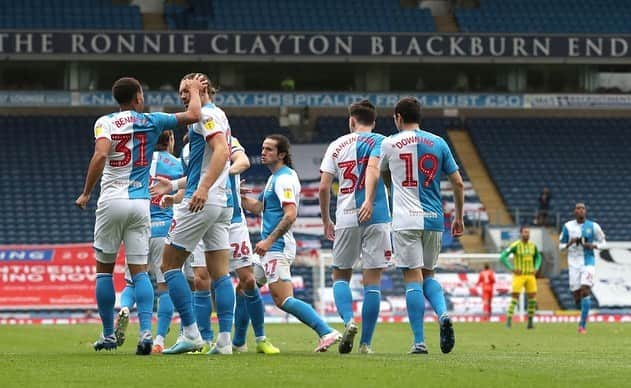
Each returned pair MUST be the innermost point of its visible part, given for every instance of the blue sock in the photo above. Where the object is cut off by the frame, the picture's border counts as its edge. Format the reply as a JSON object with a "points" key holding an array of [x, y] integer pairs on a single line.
{"points": [[105, 299], [256, 310], [434, 293], [343, 300], [306, 314], [203, 309], [165, 313], [370, 312], [180, 294], [586, 303], [224, 298], [241, 321], [144, 300], [128, 296], [415, 302]]}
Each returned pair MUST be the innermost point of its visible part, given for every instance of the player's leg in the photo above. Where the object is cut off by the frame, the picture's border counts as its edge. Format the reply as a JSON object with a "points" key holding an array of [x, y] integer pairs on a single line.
{"points": [[108, 234], [518, 285], [346, 251], [408, 247], [128, 300], [376, 255], [241, 322], [165, 305], [217, 252], [255, 309], [587, 282], [186, 231], [136, 237], [531, 292], [277, 271], [432, 244], [574, 280], [202, 300]]}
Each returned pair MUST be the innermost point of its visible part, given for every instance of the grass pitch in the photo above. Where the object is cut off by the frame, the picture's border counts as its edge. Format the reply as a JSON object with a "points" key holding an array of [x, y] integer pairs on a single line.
{"points": [[486, 355]]}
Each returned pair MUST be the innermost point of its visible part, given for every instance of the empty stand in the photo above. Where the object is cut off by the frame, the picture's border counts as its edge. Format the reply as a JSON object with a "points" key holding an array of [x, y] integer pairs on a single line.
{"points": [[578, 159], [558, 16], [299, 15], [69, 14]]}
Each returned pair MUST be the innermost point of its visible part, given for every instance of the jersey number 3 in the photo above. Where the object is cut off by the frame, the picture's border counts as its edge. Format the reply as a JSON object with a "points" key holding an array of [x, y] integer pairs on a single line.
{"points": [[427, 164], [121, 146], [348, 174]]}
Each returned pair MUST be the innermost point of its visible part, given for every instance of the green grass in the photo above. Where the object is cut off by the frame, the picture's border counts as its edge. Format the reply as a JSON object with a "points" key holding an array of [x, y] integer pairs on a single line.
{"points": [[485, 355]]}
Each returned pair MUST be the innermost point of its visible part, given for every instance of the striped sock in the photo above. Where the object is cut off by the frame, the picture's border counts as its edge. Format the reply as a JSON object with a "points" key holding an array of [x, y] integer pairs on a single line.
{"points": [[532, 306], [511, 307]]}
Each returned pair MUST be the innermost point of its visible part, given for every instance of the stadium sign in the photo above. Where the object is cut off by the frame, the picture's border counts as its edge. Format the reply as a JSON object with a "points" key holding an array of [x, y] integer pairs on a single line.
{"points": [[227, 45]]}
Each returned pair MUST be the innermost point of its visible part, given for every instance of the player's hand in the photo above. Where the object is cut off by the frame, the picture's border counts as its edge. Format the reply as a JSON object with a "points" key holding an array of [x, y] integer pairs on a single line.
{"points": [[588, 245], [329, 231], [162, 186], [457, 228], [167, 201], [365, 212], [244, 190], [82, 201], [198, 200], [196, 83], [517, 272], [262, 247]]}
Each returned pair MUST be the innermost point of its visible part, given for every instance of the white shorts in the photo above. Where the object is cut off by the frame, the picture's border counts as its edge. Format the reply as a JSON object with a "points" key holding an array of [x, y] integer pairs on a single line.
{"points": [[156, 247], [210, 225], [417, 248], [197, 258], [187, 269], [277, 266], [240, 246], [122, 220], [581, 276], [371, 243]]}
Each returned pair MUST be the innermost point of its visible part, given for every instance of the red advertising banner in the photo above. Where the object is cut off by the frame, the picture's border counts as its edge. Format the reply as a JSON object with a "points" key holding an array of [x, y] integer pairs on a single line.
{"points": [[51, 276]]}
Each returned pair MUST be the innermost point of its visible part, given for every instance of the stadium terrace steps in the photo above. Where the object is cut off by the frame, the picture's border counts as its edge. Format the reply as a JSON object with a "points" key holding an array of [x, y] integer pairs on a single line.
{"points": [[479, 177], [545, 298]]}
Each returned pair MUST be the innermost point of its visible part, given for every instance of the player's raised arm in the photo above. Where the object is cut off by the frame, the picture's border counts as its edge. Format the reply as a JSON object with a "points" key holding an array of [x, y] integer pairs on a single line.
{"points": [[220, 153], [324, 194], [457, 186]]}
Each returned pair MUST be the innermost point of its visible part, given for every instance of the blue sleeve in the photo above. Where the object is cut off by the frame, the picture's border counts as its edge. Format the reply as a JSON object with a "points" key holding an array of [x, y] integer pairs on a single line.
{"points": [[164, 120], [260, 198], [565, 236], [449, 163], [376, 150]]}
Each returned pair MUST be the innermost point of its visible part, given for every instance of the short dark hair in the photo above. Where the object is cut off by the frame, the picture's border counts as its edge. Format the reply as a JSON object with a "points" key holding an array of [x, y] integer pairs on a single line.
{"points": [[410, 110], [163, 140], [364, 112], [282, 145], [125, 89]]}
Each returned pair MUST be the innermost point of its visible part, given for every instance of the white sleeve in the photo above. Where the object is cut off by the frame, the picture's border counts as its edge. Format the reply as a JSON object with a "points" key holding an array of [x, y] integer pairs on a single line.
{"points": [[209, 125], [235, 146], [599, 237], [285, 189], [328, 165], [102, 129]]}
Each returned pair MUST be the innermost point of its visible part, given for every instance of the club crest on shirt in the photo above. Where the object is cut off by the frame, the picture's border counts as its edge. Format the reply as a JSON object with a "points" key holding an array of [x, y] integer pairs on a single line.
{"points": [[208, 124]]}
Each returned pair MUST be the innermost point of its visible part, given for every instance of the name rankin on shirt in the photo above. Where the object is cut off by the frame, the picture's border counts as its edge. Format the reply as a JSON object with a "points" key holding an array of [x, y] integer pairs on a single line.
{"points": [[352, 140], [413, 140]]}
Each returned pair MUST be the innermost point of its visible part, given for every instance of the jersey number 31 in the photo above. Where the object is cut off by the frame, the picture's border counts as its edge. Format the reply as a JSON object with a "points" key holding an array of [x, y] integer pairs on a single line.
{"points": [[121, 146]]}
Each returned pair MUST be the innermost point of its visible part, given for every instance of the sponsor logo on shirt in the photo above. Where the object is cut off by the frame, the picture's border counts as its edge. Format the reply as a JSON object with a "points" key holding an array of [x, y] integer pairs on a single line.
{"points": [[209, 124], [288, 194]]}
